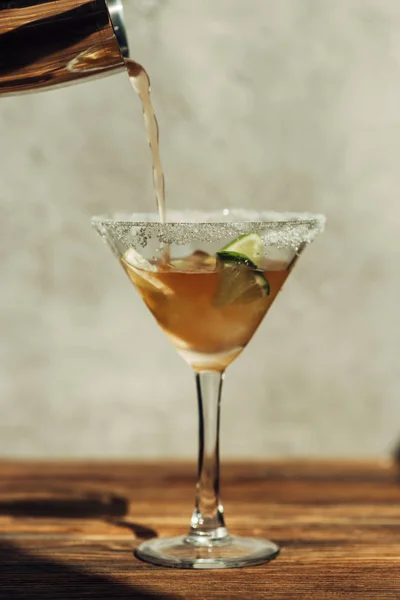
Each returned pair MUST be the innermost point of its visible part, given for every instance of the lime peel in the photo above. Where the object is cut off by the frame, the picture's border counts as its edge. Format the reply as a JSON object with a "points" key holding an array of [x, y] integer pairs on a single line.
{"points": [[249, 245]]}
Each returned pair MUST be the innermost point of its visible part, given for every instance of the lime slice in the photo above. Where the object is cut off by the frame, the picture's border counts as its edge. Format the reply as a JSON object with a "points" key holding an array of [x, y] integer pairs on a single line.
{"points": [[144, 274], [134, 259], [249, 246], [239, 282]]}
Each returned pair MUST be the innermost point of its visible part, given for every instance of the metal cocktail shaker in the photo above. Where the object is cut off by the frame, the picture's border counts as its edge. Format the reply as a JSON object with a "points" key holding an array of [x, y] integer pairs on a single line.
{"points": [[44, 43]]}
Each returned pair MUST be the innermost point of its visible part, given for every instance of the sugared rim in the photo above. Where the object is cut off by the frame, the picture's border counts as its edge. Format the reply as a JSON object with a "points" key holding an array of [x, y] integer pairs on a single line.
{"points": [[279, 229], [228, 216]]}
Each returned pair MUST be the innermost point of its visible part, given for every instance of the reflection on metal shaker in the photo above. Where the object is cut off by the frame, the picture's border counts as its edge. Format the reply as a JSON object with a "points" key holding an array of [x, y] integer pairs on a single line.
{"points": [[45, 43]]}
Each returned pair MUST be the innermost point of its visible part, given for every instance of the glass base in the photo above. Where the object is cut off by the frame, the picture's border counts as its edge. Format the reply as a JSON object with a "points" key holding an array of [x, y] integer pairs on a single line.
{"points": [[184, 553]]}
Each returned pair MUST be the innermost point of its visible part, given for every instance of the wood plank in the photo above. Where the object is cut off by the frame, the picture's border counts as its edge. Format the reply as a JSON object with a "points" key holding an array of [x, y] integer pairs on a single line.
{"points": [[68, 530]]}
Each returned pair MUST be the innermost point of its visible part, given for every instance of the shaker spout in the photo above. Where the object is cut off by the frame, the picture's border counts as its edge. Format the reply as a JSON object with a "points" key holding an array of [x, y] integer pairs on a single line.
{"points": [[116, 11]]}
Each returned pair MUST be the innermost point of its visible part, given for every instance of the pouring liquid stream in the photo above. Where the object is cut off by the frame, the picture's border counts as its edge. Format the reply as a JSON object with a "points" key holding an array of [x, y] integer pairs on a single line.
{"points": [[140, 82]]}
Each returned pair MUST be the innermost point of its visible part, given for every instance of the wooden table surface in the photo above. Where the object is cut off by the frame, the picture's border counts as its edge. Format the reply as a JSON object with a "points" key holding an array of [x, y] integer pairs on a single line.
{"points": [[67, 530]]}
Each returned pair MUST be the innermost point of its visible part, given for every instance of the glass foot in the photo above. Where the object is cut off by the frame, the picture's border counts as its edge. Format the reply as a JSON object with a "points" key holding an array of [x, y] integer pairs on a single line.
{"points": [[184, 553]]}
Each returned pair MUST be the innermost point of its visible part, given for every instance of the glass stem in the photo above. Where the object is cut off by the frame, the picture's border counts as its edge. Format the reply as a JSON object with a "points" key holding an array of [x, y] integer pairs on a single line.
{"points": [[207, 522]]}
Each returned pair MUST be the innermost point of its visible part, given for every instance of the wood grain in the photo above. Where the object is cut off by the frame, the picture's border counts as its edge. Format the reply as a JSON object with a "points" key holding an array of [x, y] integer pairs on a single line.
{"points": [[68, 530]]}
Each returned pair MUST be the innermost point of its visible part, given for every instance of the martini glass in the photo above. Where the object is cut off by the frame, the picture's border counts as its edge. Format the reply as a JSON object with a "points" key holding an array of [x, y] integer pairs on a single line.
{"points": [[209, 279]]}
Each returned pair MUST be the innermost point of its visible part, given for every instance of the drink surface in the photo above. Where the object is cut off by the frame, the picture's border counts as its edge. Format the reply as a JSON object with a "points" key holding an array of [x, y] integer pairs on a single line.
{"points": [[208, 309]]}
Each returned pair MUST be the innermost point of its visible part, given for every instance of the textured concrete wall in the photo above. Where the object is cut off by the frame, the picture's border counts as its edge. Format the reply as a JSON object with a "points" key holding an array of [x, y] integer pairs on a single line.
{"points": [[284, 105]]}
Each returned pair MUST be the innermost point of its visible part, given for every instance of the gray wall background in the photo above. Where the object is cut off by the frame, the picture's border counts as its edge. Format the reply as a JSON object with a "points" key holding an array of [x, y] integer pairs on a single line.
{"points": [[282, 105]]}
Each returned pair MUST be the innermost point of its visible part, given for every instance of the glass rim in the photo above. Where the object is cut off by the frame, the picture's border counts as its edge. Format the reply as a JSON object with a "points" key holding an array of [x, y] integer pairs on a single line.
{"points": [[247, 216]]}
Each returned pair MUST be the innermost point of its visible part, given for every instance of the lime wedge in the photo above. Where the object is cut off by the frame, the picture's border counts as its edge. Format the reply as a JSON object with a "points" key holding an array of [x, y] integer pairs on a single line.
{"points": [[239, 281], [249, 246]]}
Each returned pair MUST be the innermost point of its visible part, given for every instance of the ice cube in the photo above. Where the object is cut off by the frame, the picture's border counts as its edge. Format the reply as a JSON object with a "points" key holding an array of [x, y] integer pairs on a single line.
{"points": [[197, 261]]}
